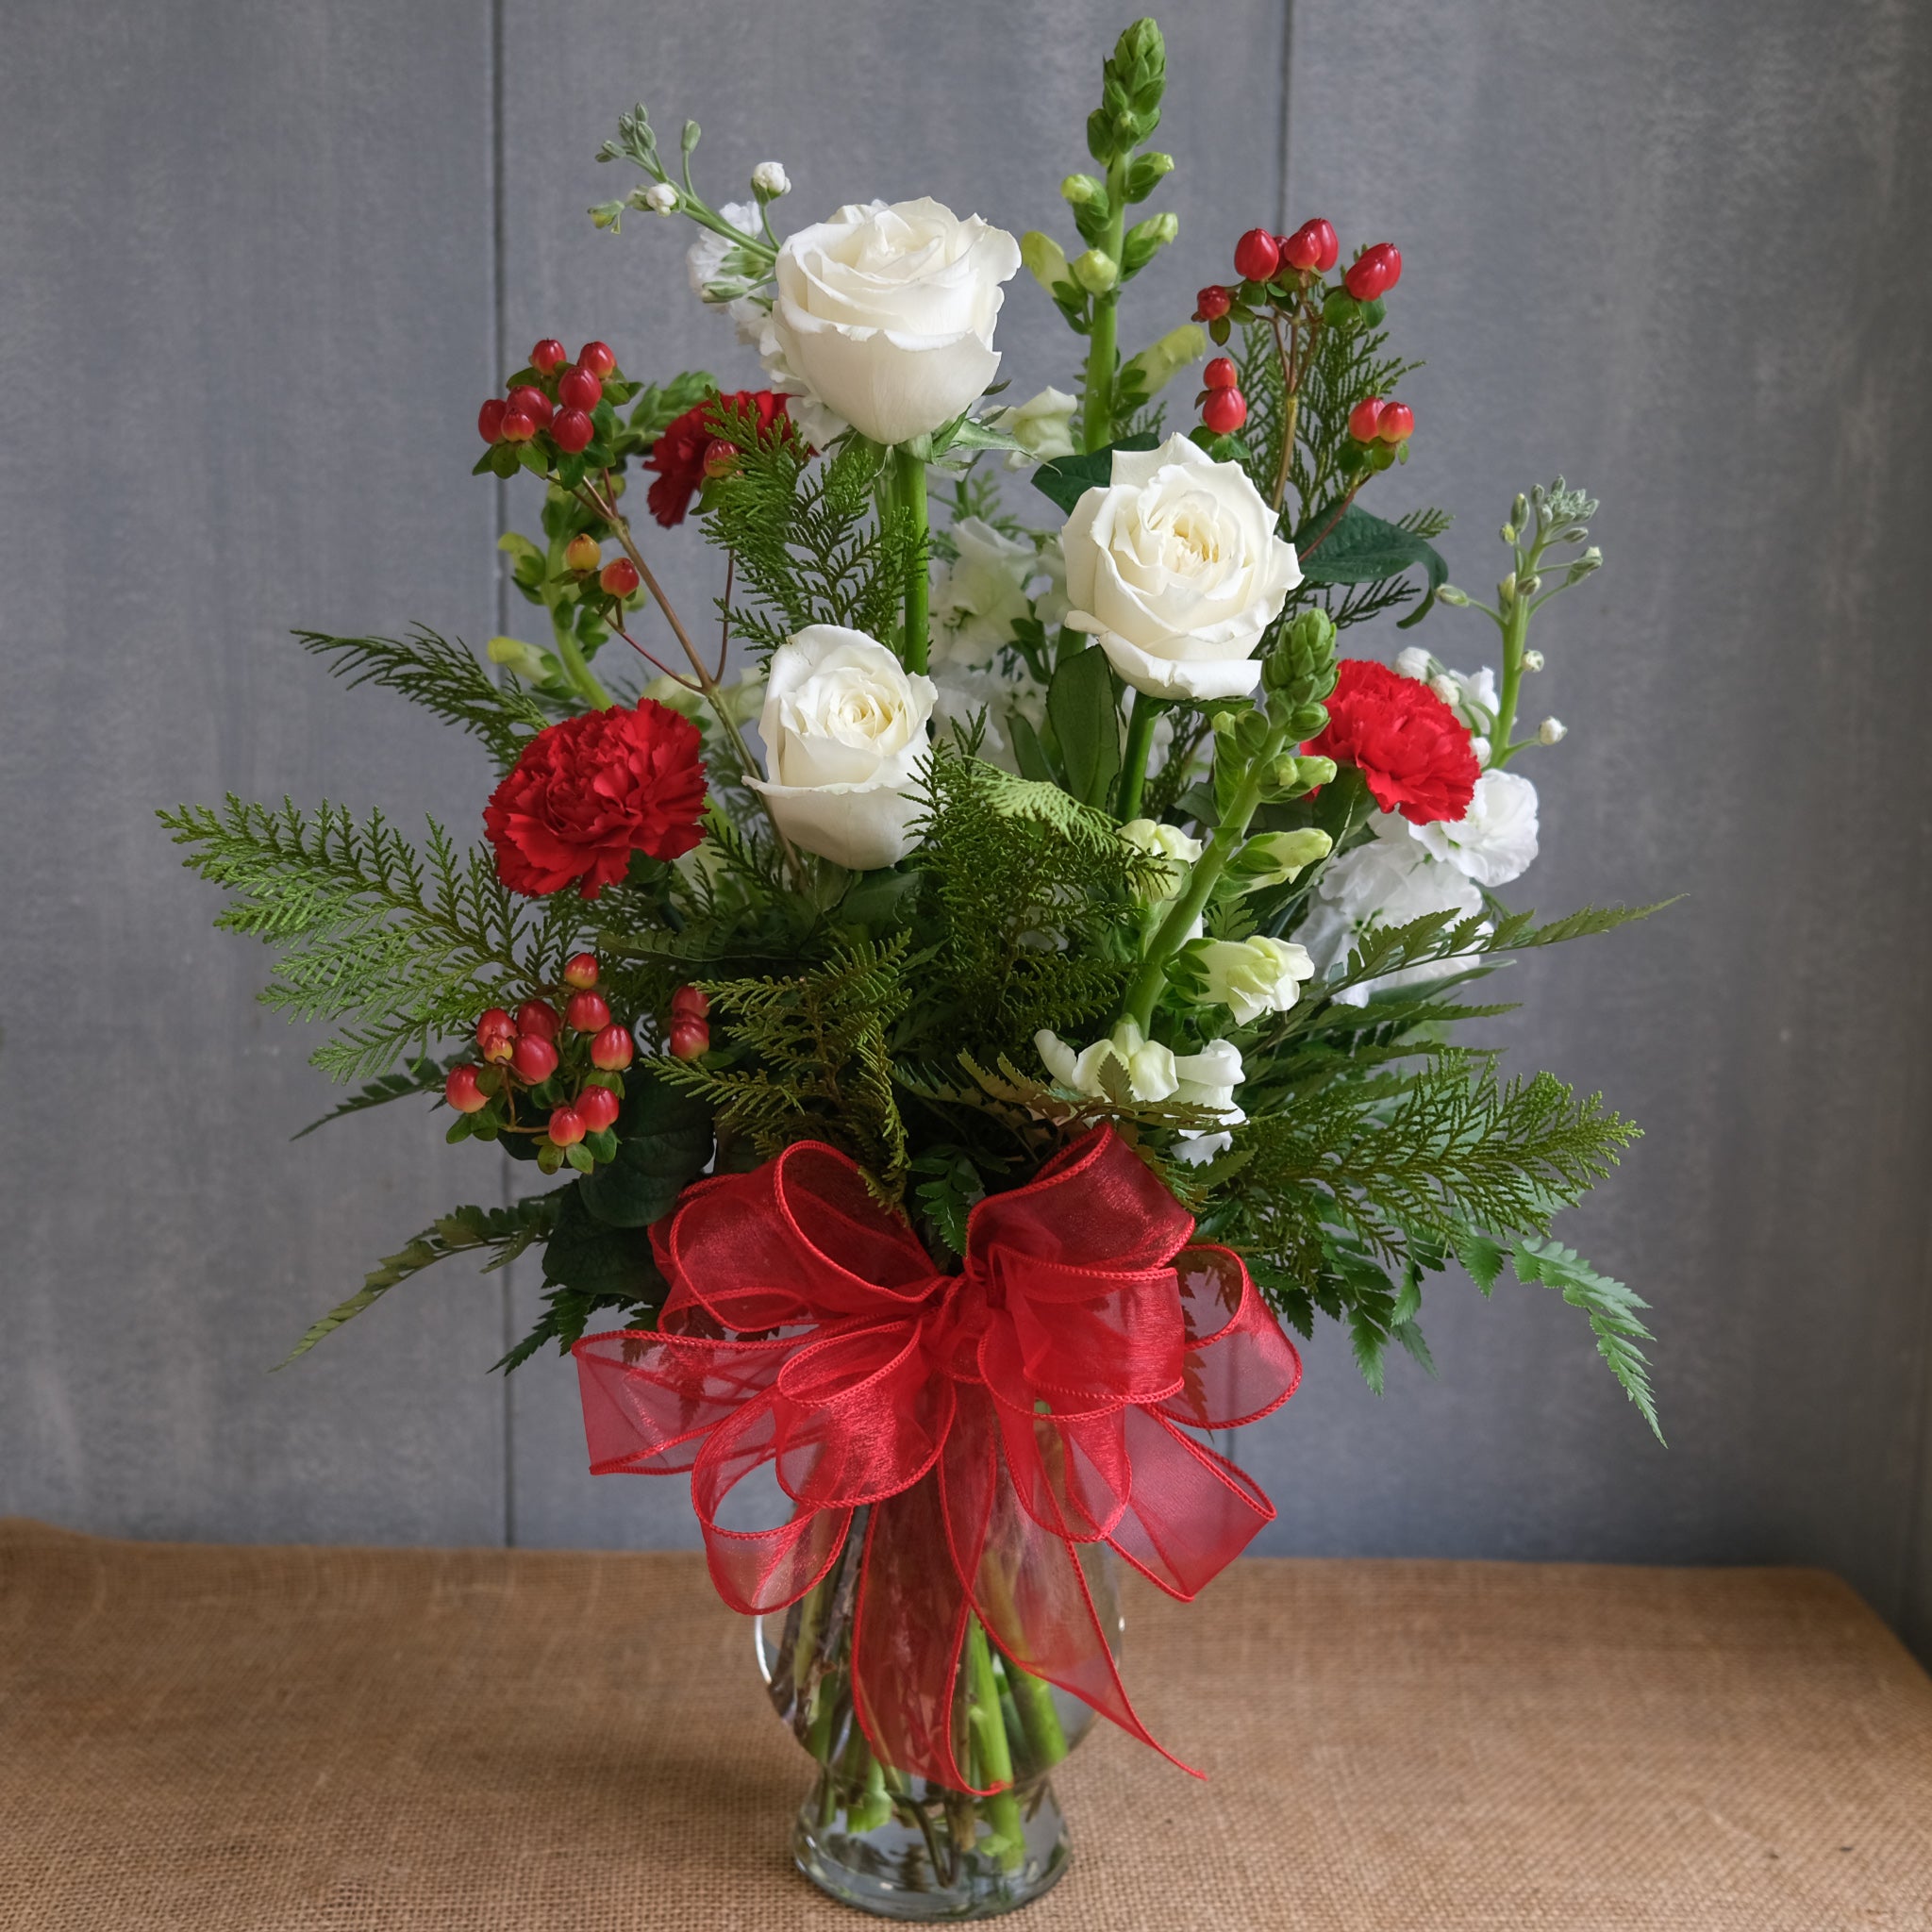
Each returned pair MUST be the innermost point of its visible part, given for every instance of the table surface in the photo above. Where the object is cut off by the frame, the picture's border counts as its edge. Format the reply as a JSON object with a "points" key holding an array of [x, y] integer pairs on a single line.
{"points": [[285, 1739]]}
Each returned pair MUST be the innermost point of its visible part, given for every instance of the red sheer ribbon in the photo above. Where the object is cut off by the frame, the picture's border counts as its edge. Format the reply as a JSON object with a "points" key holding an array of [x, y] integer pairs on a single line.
{"points": [[1002, 1423]]}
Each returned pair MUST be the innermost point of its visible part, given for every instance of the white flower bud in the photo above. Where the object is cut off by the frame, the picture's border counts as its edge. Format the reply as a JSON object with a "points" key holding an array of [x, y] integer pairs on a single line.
{"points": [[1414, 663], [662, 198], [1532, 660], [1450, 595], [1552, 731], [1480, 746], [1444, 688], [769, 180]]}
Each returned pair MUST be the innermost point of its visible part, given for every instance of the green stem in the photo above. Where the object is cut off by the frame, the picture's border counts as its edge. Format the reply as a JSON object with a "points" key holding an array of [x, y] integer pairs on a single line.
{"points": [[910, 476], [1096, 406], [1040, 1717], [1133, 761], [1515, 626], [994, 1749]]}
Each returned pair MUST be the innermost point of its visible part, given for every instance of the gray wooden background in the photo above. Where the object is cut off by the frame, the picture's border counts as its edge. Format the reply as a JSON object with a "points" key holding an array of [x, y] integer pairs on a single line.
{"points": [[261, 263]]}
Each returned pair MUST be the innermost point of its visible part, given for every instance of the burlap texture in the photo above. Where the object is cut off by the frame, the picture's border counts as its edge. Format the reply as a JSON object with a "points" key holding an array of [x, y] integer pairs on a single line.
{"points": [[281, 1739]]}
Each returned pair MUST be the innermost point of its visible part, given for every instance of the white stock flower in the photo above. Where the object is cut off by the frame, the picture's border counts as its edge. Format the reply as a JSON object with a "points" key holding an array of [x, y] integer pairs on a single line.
{"points": [[1495, 840], [1552, 731], [703, 261], [770, 180], [1050, 604], [1470, 694], [1387, 881], [981, 593], [885, 315], [1176, 566], [1168, 844], [1042, 426], [1148, 1070], [844, 732], [662, 198], [1252, 976]]}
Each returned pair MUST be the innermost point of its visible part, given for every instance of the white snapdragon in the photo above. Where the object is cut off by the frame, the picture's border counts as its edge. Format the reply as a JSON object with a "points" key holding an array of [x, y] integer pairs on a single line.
{"points": [[1252, 976], [1149, 1071], [844, 731], [1496, 839], [1042, 426], [1208, 1078], [769, 180], [1172, 847], [981, 593], [995, 693], [883, 318]]}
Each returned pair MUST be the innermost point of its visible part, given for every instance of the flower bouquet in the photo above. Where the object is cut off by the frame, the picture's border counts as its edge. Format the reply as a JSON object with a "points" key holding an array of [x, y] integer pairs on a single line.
{"points": [[934, 1114]]}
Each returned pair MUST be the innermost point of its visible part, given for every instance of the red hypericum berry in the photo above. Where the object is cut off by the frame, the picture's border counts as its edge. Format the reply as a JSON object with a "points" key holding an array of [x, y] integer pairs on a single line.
{"points": [[572, 431], [691, 1039], [596, 1107], [597, 358], [538, 1017], [1257, 254], [1221, 372], [1224, 410], [1302, 249], [546, 356], [566, 1127], [580, 969], [532, 402], [691, 1002], [583, 552], [619, 576], [516, 427], [490, 418], [579, 389], [720, 459], [1212, 302], [1375, 273], [1331, 244], [587, 1013], [497, 1034], [1365, 418], [462, 1092], [1397, 423], [534, 1061], [612, 1049]]}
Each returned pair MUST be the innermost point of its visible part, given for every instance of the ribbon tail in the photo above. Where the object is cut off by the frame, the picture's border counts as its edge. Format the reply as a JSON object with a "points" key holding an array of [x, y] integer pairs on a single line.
{"points": [[1191, 1512], [1028, 1583]]}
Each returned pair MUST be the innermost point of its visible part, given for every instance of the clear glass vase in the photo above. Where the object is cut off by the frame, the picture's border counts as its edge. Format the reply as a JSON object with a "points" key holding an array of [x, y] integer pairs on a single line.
{"points": [[900, 1845]]}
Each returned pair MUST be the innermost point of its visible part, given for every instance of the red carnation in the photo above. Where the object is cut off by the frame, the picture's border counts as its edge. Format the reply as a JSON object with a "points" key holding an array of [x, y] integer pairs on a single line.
{"points": [[1413, 750], [587, 792], [678, 455]]}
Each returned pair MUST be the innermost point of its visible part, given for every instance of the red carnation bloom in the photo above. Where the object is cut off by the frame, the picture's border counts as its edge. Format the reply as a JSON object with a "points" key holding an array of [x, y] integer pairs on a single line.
{"points": [[587, 794], [678, 455], [1413, 750]]}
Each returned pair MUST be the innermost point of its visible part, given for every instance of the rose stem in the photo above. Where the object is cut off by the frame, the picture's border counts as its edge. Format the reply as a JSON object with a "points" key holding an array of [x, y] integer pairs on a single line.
{"points": [[1134, 759], [910, 477], [990, 1733]]}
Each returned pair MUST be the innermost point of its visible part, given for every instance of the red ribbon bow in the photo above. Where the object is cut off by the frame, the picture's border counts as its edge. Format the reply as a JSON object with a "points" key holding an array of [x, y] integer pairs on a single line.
{"points": [[999, 1421]]}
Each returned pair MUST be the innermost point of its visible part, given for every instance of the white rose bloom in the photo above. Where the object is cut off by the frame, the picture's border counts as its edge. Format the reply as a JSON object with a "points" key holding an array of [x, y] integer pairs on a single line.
{"points": [[1177, 567], [844, 731], [1150, 1068], [1495, 840], [1042, 426], [981, 595], [703, 261], [1168, 844], [885, 315], [1387, 882], [1254, 977]]}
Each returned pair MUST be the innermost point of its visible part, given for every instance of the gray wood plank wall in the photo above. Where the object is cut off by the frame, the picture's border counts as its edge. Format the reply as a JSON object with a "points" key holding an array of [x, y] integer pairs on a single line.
{"points": [[260, 263]]}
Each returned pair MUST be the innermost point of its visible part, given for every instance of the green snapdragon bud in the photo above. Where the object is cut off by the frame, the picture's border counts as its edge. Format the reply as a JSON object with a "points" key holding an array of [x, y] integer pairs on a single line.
{"points": [[1273, 859], [1145, 239], [1083, 191], [1096, 270], [1045, 259]]}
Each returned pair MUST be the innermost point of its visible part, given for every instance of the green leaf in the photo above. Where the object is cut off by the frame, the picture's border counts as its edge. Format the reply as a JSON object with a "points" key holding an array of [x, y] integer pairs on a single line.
{"points": [[1029, 754], [1087, 721], [419, 1076], [663, 1141], [1358, 548], [1612, 1310], [1482, 1257], [1067, 480], [588, 1256]]}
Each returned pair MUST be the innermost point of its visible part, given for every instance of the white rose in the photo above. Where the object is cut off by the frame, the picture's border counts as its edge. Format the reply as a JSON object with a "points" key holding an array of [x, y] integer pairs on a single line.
{"points": [[1495, 840], [844, 731], [1042, 426], [1177, 567], [1149, 1069], [703, 261], [884, 314], [1252, 976], [981, 595], [1389, 881]]}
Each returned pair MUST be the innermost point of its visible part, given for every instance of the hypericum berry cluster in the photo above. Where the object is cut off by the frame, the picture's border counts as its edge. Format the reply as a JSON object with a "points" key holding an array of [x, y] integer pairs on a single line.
{"points": [[557, 1081], [554, 401], [690, 1033]]}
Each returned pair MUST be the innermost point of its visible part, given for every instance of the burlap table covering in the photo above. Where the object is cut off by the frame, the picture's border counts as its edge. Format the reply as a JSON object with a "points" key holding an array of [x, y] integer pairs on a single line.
{"points": [[223, 1738]]}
